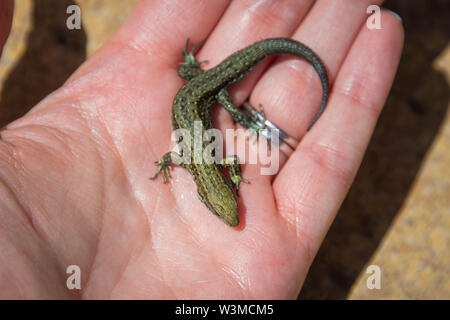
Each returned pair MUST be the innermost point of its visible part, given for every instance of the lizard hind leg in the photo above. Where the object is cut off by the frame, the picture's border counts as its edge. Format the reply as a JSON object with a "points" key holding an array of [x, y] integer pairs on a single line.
{"points": [[235, 171], [190, 67], [254, 123]]}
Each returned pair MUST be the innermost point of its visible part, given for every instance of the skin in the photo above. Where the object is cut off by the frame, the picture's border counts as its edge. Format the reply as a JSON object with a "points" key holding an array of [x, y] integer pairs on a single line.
{"points": [[74, 171]]}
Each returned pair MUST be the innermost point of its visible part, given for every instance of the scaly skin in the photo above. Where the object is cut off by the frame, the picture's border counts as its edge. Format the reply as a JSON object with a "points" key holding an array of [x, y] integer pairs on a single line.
{"points": [[194, 102]]}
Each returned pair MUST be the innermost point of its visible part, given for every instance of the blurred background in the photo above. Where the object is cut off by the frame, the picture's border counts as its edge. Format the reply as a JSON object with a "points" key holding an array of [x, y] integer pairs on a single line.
{"points": [[397, 214]]}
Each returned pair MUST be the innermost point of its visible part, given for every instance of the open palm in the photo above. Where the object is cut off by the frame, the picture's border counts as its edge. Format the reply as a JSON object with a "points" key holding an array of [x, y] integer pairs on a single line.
{"points": [[75, 170]]}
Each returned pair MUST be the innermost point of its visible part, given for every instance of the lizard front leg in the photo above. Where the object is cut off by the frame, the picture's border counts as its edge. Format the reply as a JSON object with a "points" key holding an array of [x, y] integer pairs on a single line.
{"points": [[164, 165]]}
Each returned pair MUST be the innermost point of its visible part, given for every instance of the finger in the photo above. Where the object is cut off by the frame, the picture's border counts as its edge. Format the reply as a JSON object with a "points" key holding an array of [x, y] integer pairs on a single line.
{"points": [[159, 29], [133, 77], [294, 98], [147, 45], [326, 161], [6, 12], [246, 22]]}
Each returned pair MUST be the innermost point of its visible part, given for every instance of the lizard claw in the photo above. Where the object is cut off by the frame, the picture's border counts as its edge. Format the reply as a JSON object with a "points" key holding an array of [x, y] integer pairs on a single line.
{"points": [[189, 57], [164, 169]]}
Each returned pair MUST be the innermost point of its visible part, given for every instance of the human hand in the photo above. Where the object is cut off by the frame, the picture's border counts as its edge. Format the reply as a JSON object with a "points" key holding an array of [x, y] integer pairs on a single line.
{"points": [[75, 169]]}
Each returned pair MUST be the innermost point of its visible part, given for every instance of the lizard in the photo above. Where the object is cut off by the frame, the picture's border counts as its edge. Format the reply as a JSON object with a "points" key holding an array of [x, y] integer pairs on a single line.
{"points": [[194, 102]]}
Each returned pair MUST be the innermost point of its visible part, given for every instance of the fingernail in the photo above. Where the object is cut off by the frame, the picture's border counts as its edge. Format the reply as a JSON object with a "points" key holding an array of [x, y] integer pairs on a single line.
{"points": [[395, 14]]}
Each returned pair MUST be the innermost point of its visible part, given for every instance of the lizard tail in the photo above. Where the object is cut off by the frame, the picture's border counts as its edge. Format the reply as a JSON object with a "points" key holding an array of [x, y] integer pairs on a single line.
{"points": [[288, 46]]}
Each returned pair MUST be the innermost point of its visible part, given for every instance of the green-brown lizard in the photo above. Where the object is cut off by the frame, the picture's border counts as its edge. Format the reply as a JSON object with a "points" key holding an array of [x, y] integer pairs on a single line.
{"points": [[194, 102]]}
